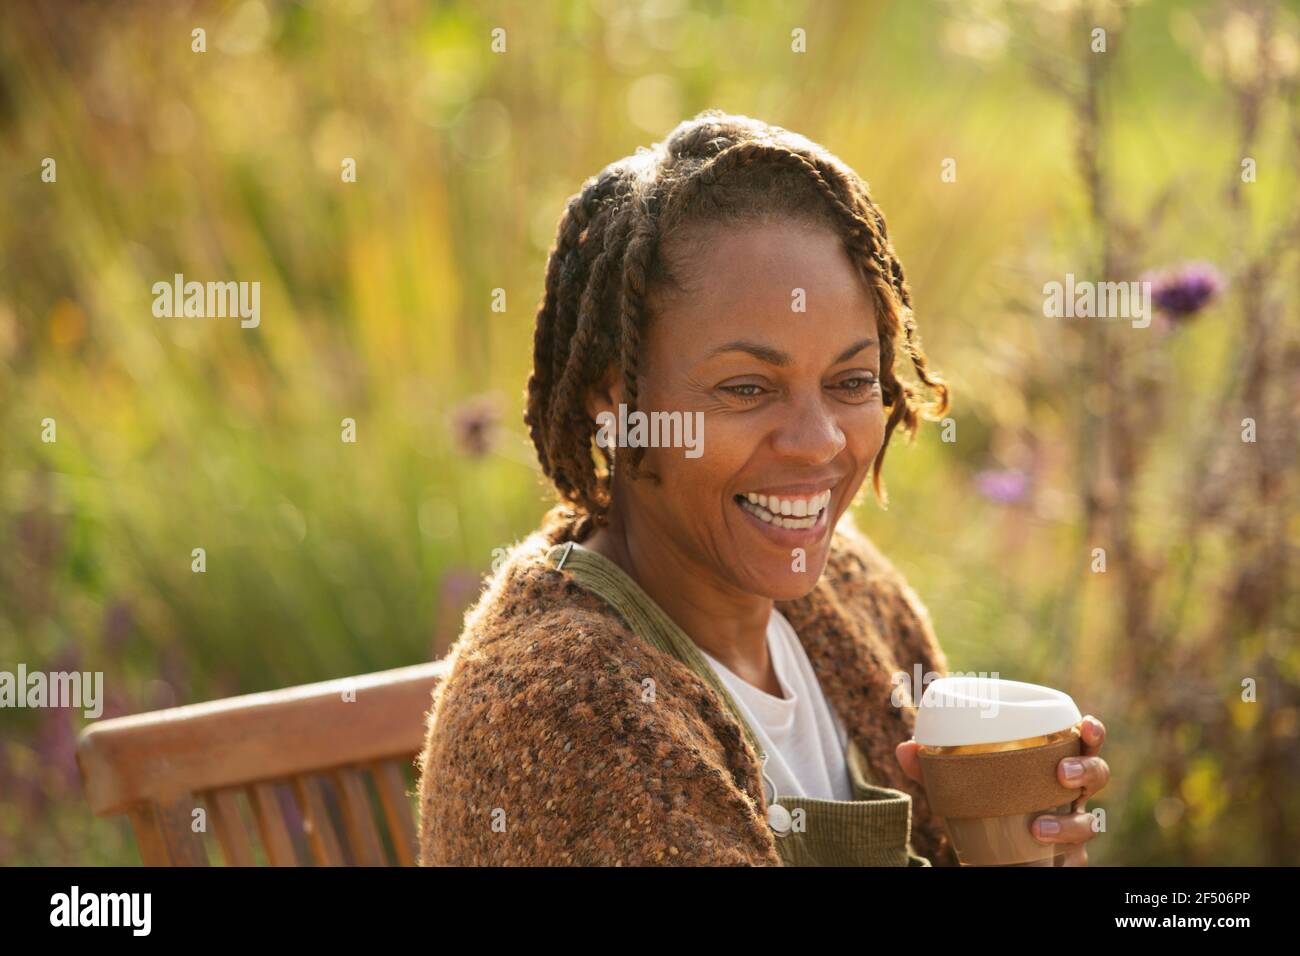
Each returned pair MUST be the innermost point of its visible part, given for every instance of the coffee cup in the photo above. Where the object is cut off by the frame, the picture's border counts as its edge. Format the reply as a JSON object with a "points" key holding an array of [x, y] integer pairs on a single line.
{"points": [[989, 754]]}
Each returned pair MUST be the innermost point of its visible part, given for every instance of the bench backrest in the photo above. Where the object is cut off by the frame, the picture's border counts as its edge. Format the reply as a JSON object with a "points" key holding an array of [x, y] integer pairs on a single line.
{"points": [[319, 773]]}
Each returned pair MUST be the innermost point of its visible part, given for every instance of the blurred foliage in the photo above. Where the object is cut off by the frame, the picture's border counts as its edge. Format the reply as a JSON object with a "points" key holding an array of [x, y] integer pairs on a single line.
{"points": [[327, 558]]}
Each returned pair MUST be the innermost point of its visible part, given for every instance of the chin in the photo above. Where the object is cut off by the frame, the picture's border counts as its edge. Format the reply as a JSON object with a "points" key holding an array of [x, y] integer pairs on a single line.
{"points": [[781, 582], [782, 557]]}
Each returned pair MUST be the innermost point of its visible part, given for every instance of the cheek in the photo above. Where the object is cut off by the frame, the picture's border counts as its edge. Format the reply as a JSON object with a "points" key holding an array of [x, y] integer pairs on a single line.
{"points": [[719, 457], [864, 428], [864, 436], [873, 429], [698, 468], [693, 492]]}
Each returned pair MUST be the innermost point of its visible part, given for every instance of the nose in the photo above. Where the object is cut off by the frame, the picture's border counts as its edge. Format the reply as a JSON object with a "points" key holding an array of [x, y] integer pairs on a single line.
{"points": [[810, 432]]}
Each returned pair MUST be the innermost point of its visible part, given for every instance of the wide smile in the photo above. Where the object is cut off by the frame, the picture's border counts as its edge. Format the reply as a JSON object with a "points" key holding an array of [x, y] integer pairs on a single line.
{"points": [[789, 519]]}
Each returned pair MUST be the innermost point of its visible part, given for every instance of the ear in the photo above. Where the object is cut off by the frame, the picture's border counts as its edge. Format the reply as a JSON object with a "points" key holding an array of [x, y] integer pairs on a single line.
{"points": [[607, 394]]}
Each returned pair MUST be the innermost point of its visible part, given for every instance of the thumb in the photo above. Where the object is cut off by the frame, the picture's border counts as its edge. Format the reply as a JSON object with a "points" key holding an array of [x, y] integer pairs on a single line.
{"points": [[908, 759]]}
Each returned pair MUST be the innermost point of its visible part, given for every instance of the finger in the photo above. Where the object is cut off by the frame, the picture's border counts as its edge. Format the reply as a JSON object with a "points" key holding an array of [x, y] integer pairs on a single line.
{"points": [[1093, 733], [909, 759], [1090, 773], [1063, 828], [1067, 856], [1076, 856]]}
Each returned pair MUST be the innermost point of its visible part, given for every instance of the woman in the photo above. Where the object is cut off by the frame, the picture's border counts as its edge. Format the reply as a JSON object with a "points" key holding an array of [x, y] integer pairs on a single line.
{"points": [[693, 660]]}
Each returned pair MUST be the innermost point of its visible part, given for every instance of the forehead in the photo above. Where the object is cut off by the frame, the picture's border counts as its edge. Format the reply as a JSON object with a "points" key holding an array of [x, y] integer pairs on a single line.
{"points": [[780, 279]]}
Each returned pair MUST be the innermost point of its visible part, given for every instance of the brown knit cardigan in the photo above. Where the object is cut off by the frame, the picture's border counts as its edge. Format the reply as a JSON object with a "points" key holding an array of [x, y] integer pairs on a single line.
{"points": [[543, 747]]}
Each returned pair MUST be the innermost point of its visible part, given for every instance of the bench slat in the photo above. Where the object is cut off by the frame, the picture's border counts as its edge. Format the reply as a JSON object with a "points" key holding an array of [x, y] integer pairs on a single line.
{"points": [[358, 818], [270, 824], [223, 810], [324, 842], [163, 831], [397, 809]]}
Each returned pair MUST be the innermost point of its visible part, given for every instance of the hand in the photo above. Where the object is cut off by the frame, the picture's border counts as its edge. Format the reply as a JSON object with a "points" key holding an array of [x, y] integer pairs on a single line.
{"points": [[1074, 829]]}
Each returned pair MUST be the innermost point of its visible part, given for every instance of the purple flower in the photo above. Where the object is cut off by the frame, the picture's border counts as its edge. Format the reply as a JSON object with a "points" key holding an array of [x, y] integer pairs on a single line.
{"points": [[474, 425], [1005, 487], [118, 622], [1183, 291], [55, 741], [458, 589]]}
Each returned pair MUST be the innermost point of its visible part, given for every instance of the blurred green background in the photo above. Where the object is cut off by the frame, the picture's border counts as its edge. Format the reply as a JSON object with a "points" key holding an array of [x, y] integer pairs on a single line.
{"points": [[326, 558]]}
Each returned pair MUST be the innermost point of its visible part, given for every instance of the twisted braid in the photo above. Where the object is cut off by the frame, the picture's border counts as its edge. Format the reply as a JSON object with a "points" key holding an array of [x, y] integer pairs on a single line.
{"points": [[568, 417], [608, 257], [562, 271], [632, 317]]}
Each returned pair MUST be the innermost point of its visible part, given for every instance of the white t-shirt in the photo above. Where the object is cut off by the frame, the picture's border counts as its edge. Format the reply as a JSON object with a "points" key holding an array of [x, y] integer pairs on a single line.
{"points": [[804, 738]]}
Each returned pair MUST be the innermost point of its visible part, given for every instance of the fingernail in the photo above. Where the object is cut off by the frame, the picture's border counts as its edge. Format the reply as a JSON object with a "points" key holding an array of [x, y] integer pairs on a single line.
{"points": [[1048, 827], [1073, 769]]}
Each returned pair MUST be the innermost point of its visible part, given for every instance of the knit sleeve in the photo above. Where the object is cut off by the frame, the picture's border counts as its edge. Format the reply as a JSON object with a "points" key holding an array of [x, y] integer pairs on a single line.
{"points": [[567, 743]]}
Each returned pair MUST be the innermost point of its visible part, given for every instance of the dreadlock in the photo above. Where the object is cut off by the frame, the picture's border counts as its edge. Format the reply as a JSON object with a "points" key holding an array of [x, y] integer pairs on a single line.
{"points": [[612, 250]]}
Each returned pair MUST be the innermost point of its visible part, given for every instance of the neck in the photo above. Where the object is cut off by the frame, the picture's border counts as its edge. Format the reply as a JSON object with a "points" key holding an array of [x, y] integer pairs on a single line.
{"points": [[725, 622]]}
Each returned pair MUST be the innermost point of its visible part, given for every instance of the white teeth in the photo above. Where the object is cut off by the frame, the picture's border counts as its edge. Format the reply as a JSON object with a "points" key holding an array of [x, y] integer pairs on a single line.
{"points": [[794, 522], [787, 512], [793, 507]]}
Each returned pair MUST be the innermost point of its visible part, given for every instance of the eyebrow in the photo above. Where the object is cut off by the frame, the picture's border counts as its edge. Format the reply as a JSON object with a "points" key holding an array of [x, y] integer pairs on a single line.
{"points": [[771, 356]]}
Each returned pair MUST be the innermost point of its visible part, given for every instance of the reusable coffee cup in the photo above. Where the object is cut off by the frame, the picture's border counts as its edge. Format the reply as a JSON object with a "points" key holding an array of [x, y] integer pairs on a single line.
{"points": [[989, 751]]}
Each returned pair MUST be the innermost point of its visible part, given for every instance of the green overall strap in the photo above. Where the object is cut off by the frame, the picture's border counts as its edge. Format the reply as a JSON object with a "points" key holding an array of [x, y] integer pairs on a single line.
{"points": [[646, 618]]}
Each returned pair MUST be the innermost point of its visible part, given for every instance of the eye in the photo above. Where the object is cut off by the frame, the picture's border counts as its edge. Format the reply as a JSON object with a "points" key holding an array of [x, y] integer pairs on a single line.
{"points": [[743, 391], [857, 383]]}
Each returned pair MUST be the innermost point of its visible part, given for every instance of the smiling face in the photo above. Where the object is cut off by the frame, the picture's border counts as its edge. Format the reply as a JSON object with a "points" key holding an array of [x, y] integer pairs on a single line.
{"points": [[791, 403]]}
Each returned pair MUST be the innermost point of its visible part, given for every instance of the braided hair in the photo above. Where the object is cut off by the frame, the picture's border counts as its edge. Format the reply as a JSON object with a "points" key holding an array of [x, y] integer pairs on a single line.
{"points": [[615, 245]]}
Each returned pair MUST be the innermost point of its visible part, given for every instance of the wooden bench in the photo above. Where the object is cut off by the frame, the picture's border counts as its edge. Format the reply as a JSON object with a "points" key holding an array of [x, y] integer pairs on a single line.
{"points": [[320, 773]]}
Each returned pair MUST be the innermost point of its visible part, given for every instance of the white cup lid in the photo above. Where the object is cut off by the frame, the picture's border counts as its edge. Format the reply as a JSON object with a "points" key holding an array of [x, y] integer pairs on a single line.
{"points": [[955, 711]]}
